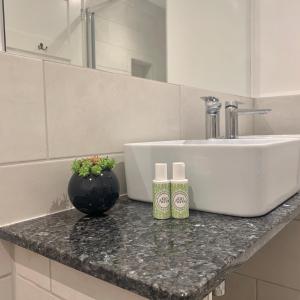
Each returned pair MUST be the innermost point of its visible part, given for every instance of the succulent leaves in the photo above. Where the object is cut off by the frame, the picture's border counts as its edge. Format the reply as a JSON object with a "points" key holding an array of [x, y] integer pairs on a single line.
{"points": [[92, 165]]}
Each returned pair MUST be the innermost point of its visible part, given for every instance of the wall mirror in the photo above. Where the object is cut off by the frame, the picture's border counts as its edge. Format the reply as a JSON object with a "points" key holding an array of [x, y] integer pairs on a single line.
{"points": [[201, 43], [115, 35]]}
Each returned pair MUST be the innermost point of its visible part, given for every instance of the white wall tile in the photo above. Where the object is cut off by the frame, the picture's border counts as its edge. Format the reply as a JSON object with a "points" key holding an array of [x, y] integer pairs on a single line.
{"points": [[278, 261], [26, 290], [22, 123], [6, 288], [74, 285], [193, 113], [97, 112], [6, 258], [239, 287], [113, 57], [267, 291], [33, 189], [284, 118], [33, 267], [42, 188]]}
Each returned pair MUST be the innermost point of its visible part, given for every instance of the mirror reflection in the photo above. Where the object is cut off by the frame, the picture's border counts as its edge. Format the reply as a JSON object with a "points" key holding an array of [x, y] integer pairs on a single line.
{"points": [[121, 36], [200, 43]]}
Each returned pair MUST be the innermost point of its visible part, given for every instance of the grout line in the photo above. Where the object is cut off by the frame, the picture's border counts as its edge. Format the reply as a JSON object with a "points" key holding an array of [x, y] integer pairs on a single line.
{"points": [[280, 285], [6, 275], [245, 275], [256, 289], [56, 159], [269, 282], [50, 275], [180, 113], [14, 271], [45, 110], [28, 280], [88, 154]]}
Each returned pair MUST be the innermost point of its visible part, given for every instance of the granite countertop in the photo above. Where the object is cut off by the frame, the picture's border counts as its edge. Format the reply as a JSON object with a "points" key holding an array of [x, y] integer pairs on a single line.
{"points": [[172, 259]]}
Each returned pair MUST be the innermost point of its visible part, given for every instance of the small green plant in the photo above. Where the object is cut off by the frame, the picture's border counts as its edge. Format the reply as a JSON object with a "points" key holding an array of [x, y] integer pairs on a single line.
{"points": [[92, 165]]}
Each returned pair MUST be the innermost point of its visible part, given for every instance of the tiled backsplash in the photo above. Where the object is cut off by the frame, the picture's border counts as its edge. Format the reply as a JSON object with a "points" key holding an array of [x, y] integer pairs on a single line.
{"points": [[284, 118], [53, 112]]}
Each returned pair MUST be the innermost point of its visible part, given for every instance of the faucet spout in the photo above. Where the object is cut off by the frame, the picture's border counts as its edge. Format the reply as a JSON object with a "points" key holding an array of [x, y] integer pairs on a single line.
{"points": [[232, 111], [246, 111]]}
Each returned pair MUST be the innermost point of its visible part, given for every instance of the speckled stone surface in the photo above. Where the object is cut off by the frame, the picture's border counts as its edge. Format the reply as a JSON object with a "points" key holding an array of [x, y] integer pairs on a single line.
{"points": [[172, 259]]}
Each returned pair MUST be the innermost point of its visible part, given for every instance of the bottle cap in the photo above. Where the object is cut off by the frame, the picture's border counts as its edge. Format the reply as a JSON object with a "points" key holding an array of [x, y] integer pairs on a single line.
{"points": [[178, 171], [161, 172]]}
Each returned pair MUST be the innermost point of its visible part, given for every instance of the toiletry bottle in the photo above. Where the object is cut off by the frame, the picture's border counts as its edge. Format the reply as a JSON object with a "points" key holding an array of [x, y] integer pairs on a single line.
{"points": [[179, 192], [161, 193]]}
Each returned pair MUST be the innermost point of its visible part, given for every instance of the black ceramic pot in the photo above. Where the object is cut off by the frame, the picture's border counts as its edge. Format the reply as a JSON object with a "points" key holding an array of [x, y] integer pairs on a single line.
{"points": [[94, 195]]}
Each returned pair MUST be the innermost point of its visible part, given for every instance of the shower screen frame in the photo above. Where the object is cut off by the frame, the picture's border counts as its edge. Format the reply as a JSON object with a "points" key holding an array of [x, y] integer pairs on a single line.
{"points": [[88, 30], [2, 27]]}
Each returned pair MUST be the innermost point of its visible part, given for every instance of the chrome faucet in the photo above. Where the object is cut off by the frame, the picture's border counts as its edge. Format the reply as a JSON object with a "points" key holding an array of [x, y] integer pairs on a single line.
{"points": [[212, 119], [232, 111]]}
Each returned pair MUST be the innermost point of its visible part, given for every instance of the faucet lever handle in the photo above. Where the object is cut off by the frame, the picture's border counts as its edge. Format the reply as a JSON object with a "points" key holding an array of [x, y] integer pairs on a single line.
{"points": [[210, 99], [213, 104], [212, 117]]}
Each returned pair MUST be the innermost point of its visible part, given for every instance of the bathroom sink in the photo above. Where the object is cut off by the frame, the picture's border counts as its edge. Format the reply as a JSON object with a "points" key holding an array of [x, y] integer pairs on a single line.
{"points": [[241, 177]]}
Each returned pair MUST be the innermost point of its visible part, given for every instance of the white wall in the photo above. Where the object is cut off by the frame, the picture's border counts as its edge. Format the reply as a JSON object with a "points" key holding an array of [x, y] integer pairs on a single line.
{"points": [[208, 44], [56, 23], [131, 29], [276, 47]]}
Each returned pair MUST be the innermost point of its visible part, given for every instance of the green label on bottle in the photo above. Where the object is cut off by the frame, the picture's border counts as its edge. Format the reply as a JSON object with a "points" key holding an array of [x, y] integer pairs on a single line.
{"points": [[161, 201], [180, 200]]}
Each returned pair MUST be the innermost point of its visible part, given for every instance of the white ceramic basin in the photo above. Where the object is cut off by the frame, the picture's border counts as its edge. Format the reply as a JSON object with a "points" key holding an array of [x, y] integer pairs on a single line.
{"points": [[242, 177]]}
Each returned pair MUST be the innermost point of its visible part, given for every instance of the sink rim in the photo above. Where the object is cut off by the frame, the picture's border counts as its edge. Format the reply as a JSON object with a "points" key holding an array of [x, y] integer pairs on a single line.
{"points": [[271, 136], [216, 143]]}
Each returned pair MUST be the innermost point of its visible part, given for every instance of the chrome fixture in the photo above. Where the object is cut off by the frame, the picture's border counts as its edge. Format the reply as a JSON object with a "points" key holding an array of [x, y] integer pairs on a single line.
{"points": [[232, 111], [212, 119], [2, 27], [219, 290], [41, 46], [89, 37]]}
